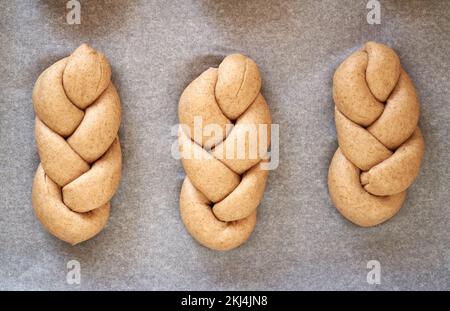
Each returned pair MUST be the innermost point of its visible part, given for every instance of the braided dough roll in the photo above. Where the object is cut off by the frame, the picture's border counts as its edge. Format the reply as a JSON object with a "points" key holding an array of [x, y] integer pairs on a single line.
{"points": [[77, 121], [223, 187], [380, 146]]}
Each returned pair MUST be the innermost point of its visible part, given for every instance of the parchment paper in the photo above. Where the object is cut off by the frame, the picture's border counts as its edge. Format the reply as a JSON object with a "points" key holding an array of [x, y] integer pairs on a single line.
{"points": [[156, 48]]}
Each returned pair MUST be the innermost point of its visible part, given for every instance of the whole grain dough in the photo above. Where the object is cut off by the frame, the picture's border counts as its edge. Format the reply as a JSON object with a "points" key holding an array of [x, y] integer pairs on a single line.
{"points": [[77, 121], [380, 146], [220, 194]]}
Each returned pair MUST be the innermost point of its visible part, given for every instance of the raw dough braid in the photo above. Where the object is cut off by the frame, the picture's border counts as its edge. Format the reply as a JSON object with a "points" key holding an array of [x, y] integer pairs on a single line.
{"points": [[380, 146], [77, 119], [221, 193]]}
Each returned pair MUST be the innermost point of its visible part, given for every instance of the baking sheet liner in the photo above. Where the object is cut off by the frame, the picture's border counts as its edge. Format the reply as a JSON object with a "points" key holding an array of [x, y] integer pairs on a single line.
{"points": [[156, 48]]}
